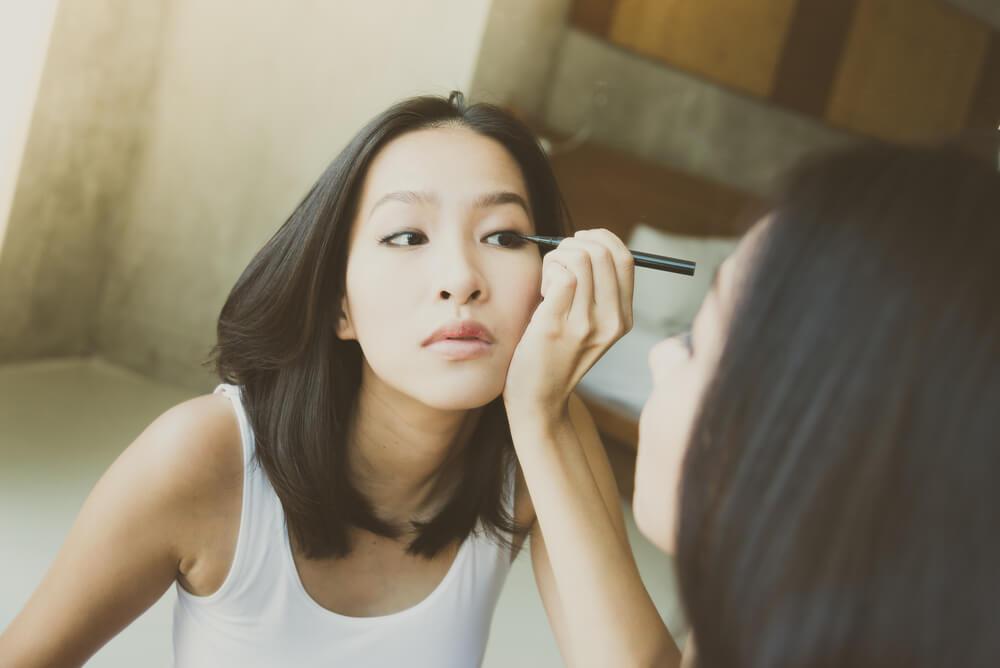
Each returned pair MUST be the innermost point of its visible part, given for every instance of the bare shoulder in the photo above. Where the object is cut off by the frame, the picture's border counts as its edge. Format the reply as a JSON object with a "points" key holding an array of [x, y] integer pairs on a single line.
{"points": [[196, 444]]}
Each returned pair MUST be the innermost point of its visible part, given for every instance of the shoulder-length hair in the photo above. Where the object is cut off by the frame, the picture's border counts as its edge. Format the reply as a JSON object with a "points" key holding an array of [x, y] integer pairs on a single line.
{"points": [[299, 382], [839, 503]]}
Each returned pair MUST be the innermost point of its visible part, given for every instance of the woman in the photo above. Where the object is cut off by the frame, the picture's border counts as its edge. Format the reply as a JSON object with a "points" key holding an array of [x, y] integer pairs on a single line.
{"points": [[829, 427], [350, 494]]}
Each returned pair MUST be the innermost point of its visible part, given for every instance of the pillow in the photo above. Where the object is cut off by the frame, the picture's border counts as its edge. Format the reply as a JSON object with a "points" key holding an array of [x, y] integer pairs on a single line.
{"points": [[664, 302]]}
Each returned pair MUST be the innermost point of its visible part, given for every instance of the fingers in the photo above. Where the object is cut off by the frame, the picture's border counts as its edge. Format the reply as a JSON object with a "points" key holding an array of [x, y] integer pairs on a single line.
{"points": [[559, 286], [573, 256], [604, 276], [624, 267], [586, 306], [603, 306]]}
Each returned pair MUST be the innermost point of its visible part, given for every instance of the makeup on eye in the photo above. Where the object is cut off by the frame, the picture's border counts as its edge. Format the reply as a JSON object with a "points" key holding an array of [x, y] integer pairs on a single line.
{"points": [[506, 238], [387, 239], [512, 237]]}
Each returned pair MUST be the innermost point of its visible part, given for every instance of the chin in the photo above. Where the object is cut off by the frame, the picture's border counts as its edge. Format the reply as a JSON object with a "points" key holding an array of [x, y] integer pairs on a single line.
{"points": [[460, 397], [458, 388]]}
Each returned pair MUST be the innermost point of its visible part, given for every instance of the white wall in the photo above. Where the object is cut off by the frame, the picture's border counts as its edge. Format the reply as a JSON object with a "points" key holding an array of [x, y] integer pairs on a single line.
{"points": [[25, 28]]}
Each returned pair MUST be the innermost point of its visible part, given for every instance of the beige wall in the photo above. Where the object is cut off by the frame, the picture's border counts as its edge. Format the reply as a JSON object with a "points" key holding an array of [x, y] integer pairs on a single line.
{"points": [[246, 102], [84, 136], [518, 53]]}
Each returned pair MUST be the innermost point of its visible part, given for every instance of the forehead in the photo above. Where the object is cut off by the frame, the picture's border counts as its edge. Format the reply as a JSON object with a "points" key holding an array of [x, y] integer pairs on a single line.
{"points": [[447, 161]]}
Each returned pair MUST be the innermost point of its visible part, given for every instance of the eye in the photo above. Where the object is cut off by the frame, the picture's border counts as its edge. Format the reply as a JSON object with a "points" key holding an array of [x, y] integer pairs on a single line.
{"points": [[506, 239], [409, 238]]}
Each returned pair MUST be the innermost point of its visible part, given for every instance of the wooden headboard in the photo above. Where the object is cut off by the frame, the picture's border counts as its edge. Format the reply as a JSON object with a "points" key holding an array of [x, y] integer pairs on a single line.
{"points": [[604, 187]]}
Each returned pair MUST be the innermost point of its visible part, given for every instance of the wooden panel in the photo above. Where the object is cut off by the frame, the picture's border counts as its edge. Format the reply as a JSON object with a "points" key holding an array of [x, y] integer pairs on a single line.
{"points": [[593, 16], [984, 111], [735, 42], [812, 53], [908, 71], [607, 188]]}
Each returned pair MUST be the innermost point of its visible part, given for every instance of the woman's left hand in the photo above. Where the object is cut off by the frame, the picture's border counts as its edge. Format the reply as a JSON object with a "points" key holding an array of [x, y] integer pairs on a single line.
{"points": [[586, 306]]}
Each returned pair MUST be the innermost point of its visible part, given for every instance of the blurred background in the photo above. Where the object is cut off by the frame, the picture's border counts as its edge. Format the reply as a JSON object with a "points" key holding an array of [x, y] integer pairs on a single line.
{"points": [[148, 149]]}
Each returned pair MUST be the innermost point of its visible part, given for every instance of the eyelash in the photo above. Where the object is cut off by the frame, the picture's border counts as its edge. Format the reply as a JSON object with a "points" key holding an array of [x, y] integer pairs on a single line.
{"points": [[516, 241]]}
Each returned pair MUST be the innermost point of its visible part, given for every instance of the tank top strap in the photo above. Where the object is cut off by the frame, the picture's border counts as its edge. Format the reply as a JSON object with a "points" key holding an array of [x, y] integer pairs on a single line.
{"points": [[235, 396], [261, 516]]}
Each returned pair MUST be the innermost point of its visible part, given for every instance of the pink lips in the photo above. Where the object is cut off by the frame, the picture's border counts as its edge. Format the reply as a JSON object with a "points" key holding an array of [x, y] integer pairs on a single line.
{"points": [[460, 340]]}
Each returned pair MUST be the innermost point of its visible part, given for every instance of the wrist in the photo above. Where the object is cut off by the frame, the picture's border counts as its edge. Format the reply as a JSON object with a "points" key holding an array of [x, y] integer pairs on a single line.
{"points": [[536, 416]]}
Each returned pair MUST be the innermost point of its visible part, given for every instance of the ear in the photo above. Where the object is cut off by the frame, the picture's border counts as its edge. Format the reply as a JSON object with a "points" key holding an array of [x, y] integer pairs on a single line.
{"points": [[345, 328]]}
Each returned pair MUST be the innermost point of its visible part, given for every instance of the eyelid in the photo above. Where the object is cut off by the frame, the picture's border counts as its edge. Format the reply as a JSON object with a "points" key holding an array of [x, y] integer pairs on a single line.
{"points": [[387, 239], [518, 242]]}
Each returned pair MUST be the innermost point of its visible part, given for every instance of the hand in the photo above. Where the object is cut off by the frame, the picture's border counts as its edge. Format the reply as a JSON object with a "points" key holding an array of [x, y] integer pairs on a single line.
{"points": [[586, 306]]}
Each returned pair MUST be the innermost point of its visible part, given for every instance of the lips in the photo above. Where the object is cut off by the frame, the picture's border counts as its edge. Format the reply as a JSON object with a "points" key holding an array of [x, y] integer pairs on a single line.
{"points": [[468, 330], [460, 340]]}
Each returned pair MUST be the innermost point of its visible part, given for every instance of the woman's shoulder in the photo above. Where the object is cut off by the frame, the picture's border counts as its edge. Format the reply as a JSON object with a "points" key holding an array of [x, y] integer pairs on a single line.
{"points": [[199, 439], [196, 446]]}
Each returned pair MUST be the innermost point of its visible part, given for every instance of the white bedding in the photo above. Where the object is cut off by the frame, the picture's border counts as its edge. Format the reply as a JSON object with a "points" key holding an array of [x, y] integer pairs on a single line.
{"points": [[621, 378]]}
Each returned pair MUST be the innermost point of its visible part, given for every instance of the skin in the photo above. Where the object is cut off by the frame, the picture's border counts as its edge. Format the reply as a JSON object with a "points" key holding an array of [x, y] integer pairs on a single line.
{"points": [[445, 263], [682, 367], [551, 320]]}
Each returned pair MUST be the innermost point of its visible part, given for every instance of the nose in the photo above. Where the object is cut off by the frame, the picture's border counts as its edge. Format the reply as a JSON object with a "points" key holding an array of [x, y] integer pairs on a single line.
{"points": [[460, 279]]}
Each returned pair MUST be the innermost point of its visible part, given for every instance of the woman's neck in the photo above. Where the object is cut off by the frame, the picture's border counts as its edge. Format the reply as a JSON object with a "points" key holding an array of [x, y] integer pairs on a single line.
{"points": [[399, 450]]}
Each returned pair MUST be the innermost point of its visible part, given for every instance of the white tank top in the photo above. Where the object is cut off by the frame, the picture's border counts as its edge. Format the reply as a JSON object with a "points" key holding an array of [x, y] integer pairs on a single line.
{"points": [[263, 616]]}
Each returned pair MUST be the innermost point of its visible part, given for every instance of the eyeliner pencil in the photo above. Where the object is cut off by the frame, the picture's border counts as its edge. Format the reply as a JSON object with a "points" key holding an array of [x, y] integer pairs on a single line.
{"points": [[648, 260]]}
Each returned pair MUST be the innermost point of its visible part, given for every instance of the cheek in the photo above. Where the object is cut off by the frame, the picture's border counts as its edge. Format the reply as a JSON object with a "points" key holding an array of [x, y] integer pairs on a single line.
{"points": [[516, 292], [663, 433], [377, 297]]}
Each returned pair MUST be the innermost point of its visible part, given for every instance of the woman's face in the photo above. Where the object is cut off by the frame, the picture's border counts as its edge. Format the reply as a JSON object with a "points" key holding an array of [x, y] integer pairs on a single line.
{"points": [[431, 248], [682, 367]]}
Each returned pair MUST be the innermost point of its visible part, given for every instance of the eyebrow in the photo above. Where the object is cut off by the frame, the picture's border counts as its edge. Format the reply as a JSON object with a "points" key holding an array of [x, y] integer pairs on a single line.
{"points": [[484, 201], [406, 197], [499, 199]]}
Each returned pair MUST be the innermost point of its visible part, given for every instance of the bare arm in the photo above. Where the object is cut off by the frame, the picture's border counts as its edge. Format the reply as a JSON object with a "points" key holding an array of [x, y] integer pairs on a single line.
{"points": [[599, 608], [125, 548], [600, 611]]}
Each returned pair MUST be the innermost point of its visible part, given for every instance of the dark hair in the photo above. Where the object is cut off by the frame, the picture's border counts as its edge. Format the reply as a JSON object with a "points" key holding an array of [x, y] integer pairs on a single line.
{"points": [[839, 504], [276, 339]]}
